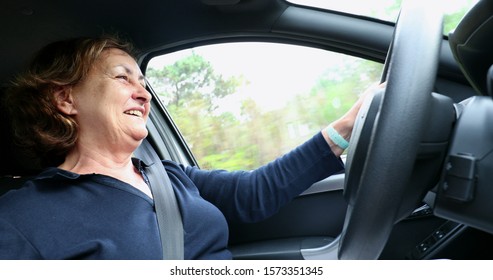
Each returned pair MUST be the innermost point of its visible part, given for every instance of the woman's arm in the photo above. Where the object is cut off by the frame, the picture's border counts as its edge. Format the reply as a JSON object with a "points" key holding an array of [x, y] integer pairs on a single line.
{"points": [[249, 196]]}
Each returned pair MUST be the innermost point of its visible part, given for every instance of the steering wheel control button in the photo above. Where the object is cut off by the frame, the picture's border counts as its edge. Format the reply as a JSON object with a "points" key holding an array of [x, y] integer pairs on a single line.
{"points": [[460, 178]]}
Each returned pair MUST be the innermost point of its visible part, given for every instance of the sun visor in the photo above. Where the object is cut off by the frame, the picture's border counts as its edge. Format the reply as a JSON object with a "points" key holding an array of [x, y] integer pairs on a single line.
{"points": [[472, 45]]}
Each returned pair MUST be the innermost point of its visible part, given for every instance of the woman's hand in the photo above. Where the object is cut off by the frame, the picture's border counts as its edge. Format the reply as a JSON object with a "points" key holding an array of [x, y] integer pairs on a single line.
{"points": [[344, 125]]}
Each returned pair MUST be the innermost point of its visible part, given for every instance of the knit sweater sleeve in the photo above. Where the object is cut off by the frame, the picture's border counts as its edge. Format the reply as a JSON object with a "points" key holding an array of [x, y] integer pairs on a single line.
{"points": [[249, 196]]}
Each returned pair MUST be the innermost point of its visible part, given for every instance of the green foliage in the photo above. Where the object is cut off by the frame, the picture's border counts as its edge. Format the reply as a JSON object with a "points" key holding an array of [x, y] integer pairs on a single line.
{"points": [[224, 138], [191, 78], [451, 20], [191, 90]]}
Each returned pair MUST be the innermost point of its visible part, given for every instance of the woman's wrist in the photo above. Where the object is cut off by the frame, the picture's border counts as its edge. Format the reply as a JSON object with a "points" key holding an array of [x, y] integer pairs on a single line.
{"points": [[338, 134], [336, 138]]}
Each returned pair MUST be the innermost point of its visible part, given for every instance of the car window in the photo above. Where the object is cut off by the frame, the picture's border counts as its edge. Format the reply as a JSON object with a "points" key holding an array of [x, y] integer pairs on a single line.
{"points": [[388, 10], [241, 105]]}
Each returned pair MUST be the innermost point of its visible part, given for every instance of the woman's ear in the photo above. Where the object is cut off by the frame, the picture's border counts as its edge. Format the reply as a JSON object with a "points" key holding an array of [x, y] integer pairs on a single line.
{"points": [[64, 100]]}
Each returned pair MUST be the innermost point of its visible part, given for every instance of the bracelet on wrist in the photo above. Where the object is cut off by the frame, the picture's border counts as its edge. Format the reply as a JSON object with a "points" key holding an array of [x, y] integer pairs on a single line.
{"points": [[335, 137]]}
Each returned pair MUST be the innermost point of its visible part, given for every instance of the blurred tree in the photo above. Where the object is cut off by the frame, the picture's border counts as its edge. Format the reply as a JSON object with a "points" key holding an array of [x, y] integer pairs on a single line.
{"points": [[452, 19], [241, 134], [191, 78], [192, 91]]}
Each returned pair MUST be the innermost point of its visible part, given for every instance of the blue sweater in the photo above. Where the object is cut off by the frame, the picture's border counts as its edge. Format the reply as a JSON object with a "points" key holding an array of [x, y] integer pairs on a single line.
{"points": [[64, 215]]}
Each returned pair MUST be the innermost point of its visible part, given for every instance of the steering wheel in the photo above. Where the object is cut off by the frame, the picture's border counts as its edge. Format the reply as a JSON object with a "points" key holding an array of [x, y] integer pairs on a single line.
{"points": [[387, 133]]}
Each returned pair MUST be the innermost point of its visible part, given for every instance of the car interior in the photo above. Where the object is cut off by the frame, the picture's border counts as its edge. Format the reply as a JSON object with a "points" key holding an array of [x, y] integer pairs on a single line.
{"points": [[417, 179]]}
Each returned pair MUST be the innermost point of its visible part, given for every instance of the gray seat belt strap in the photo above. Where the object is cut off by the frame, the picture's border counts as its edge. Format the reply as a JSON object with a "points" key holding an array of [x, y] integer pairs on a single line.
{"points": [[167, 211]]}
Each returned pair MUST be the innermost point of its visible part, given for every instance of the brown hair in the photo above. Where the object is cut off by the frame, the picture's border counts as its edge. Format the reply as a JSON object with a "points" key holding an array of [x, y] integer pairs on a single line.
{"points": [[38, 126]]}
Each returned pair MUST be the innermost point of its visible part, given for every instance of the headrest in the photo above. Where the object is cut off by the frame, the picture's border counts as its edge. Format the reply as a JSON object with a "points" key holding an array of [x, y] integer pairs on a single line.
{"points": [[13, 162]]}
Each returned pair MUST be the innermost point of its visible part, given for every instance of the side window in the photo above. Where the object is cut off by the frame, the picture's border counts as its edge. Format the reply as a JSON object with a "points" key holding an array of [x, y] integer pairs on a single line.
{"points": [[241, 105]]}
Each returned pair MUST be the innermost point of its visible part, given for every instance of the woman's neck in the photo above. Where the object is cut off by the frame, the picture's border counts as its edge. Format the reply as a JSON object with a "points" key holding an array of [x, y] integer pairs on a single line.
{"points": [[116, 165]]}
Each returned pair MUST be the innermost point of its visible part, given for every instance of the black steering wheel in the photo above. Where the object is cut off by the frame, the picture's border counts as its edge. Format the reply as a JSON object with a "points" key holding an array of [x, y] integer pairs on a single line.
{"points": [[386, 137]]}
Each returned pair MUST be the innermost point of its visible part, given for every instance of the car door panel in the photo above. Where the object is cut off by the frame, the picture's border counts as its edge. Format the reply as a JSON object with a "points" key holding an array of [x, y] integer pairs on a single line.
{"points": [[313, 219]]}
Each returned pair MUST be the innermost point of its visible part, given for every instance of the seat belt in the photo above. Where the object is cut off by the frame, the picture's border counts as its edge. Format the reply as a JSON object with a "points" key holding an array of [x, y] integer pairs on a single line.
{"points": [[168, 214]]}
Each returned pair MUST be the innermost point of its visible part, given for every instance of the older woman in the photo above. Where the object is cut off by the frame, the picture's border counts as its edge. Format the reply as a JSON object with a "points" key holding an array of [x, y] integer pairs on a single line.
{"points": [[82, 106]]}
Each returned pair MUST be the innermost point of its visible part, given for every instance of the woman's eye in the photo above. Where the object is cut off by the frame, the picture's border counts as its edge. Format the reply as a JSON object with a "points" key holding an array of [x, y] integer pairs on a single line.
{"points": [[122, 77]]}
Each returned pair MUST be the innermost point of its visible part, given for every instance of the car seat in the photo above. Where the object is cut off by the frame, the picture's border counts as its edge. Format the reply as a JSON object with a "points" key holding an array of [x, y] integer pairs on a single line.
{"points": [[15, 166]]}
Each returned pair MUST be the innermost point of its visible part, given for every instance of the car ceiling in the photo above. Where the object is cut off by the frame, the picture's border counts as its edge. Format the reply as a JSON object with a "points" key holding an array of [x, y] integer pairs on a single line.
{"points": [[153, 25], [28, 25]]}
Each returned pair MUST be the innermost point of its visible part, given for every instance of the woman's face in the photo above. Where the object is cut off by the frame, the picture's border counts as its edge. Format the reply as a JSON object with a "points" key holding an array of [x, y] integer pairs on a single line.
{"points": [[111, 103]]}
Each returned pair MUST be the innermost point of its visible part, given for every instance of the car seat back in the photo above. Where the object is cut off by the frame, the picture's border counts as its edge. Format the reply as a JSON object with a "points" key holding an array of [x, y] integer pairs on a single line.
{"points": [[15, 166]]}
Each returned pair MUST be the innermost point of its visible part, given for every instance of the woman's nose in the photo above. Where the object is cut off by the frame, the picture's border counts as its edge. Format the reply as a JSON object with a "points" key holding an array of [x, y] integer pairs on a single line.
{"points": [[141, 93]]}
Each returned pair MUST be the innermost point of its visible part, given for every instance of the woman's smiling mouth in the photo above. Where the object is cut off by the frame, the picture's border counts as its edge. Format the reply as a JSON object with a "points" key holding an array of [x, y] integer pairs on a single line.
{"points": [[134, 113]]}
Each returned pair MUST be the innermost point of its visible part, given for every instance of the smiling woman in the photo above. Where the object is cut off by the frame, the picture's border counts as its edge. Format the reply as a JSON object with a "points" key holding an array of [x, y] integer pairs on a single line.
{"points": [[110, 105], [36, 93], [101, 184], [86, 92], [255, 95]]}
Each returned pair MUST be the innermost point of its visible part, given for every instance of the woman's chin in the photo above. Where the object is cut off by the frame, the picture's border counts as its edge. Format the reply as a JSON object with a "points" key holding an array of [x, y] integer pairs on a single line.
{"points": [[140, 134]]}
